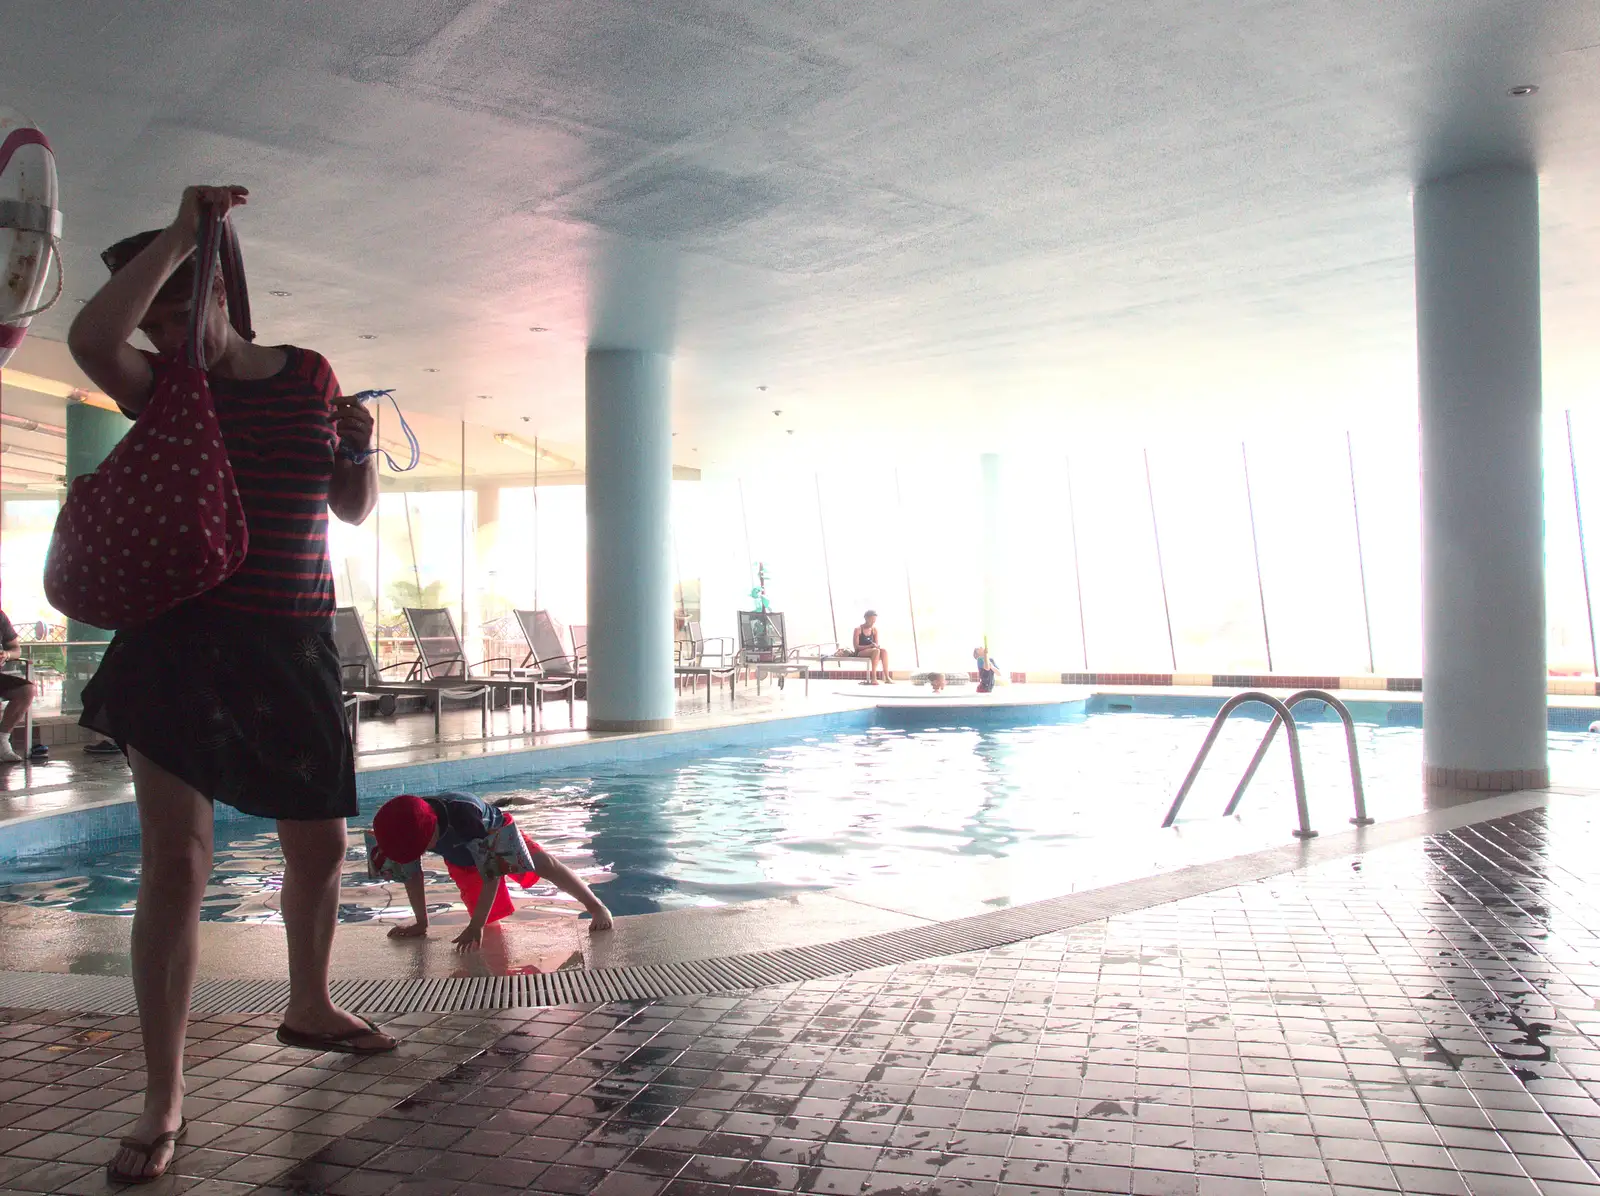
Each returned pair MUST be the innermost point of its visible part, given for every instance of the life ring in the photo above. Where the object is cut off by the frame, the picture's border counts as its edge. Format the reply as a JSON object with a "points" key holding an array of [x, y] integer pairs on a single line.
{"points": [[30, 228]]}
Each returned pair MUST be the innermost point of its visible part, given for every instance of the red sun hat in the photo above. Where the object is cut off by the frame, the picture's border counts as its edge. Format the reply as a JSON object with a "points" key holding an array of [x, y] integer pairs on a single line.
{"points": [[403, 827]]}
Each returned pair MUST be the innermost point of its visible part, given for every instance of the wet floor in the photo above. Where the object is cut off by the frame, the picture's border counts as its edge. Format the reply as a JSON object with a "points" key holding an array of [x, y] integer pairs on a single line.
{"points": [[1421, 1018]]}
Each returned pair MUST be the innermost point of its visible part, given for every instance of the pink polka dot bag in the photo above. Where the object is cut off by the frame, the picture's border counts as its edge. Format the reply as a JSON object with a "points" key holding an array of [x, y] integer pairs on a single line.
{"points": [[160, 521]]}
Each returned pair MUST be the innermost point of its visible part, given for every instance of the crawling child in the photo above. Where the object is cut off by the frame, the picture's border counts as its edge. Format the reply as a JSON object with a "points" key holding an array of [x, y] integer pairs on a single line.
{"points": [[481, 845]]}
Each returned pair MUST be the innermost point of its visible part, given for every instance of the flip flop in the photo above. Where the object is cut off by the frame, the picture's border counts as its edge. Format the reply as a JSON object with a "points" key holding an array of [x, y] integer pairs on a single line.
{"points": [[340, 1043], [146, 1149]]}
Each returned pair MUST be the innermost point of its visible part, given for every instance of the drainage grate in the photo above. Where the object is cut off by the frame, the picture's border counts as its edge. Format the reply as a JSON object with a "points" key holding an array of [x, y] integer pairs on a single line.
{"points": [[789, 965], [639, 982]]}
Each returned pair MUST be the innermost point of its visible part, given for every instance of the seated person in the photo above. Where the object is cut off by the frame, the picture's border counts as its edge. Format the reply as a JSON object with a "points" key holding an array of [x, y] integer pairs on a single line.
{"points": [[16, 692], [865, 644], [481, 845], [987, 670]]}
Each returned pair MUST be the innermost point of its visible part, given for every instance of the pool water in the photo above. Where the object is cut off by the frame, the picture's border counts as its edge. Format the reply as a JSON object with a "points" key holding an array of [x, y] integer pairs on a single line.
{"points": [[882, 804]]}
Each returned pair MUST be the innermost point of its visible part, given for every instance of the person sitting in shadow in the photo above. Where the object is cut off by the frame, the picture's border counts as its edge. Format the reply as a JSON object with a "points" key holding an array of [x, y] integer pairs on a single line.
{"points": [[16, 692]]}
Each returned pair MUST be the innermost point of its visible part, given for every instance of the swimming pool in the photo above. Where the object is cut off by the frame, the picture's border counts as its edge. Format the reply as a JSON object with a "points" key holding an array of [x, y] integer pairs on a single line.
{"points": [[903, 801]]}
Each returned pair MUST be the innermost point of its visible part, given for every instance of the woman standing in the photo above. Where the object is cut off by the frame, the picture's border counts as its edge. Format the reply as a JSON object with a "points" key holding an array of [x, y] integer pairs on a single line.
{"points": [[235, 696]]}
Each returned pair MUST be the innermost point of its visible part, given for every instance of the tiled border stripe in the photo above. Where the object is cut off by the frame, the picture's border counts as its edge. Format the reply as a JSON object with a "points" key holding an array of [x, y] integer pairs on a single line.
{"points": [[642, 982], [1285, 681]]}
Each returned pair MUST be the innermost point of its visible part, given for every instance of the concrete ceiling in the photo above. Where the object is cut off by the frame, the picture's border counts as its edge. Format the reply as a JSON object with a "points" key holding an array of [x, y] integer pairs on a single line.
{"points": [[955, 225]]}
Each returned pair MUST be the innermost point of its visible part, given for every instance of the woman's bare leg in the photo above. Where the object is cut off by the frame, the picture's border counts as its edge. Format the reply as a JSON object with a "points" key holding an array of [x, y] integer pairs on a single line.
{"points": [[175, 827], [313, 861], [883, 663]]}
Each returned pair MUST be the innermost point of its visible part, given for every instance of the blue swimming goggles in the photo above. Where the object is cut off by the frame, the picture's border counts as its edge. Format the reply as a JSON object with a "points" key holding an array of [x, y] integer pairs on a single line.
{"points": [[362, 456]]}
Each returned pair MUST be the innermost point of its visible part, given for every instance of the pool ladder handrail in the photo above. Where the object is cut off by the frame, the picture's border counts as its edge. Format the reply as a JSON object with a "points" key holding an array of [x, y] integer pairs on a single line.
{"points": [[1283, 714]]}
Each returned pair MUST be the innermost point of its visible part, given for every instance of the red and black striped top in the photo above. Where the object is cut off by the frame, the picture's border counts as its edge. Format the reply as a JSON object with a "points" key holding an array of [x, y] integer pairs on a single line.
{"points": [[280, 439]]}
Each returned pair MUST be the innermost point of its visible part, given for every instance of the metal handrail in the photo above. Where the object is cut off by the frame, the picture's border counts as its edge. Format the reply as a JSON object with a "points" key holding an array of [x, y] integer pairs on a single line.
{"points": [[1283, 714], [1343, 711]]}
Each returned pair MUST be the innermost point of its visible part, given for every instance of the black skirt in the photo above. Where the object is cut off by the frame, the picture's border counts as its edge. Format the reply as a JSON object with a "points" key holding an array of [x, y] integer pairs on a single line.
{"points": [[246, 710]]}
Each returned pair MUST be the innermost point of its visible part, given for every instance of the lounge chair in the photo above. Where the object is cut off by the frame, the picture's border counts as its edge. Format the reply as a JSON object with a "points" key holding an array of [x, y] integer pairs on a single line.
{"points": [[443, 657], [837, 655], [550, 645], [363, 678], [764, 648], [552, 659], [709, 658]]}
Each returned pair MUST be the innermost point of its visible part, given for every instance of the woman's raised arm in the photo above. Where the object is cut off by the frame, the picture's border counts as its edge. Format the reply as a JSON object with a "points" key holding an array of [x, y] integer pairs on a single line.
{"points": [[99, 336]]}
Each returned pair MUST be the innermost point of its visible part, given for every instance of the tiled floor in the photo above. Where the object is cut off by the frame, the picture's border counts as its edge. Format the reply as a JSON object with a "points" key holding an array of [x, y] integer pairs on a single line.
{"points": [[1421, 1018]]}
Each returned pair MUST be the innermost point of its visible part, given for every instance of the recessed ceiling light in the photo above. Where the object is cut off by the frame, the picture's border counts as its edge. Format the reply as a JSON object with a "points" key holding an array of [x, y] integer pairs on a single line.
{"points": [[279, 294], [368, 336], [1524, 89], [428, 369], [777, 412], [761, 388]]}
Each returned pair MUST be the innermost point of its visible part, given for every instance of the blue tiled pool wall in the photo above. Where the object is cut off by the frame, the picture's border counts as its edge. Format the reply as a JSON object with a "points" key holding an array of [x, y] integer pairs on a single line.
{"points": [[472, 771], [1379, 711], [981, 717], [119, 819]]}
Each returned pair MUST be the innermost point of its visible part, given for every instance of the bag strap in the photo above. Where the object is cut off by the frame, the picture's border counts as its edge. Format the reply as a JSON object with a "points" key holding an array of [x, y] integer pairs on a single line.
{"points": [[216, 240], [233, 279]]}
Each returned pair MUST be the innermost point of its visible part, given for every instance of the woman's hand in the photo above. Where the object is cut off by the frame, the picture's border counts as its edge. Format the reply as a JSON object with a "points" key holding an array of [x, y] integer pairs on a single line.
{"points": [[470, 938], [220, 199], [353, 423], [415, 930]]}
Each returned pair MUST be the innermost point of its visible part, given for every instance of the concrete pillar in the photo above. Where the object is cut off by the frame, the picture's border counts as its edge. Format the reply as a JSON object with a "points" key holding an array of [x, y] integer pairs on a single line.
{"points": [[628, 435], [1478, 353], [989, 464], [92, 432]]}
